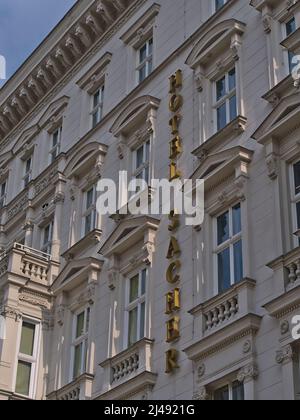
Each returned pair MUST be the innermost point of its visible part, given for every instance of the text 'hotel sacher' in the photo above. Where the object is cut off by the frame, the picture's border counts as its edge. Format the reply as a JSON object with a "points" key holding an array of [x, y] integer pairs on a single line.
{"points": [[142, 307]]}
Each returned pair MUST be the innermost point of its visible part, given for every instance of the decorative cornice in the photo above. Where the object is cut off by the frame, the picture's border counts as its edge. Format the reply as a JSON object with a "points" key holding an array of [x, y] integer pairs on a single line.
{"points": [[74, 49], [248, 373], [285, 355], [10, 312]]}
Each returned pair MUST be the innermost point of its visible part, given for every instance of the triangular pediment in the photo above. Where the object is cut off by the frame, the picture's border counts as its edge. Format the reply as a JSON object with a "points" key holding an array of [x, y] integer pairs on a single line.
{"points": [[281, 121], [53, 110], [26, 138], [75, 272], [128, 232]]}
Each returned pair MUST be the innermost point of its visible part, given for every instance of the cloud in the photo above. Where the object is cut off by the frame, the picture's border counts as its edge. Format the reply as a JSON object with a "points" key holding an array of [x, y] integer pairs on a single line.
{"points": [[23, 26]]}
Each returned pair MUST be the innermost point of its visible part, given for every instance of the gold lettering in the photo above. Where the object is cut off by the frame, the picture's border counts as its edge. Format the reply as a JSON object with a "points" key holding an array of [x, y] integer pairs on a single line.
{"points": [[175, 103], [174, 124], [174, 248], [173, 301], [172, 277], [171, 360], [173, 332], [175, 147], [175, 221], [174, 172]]}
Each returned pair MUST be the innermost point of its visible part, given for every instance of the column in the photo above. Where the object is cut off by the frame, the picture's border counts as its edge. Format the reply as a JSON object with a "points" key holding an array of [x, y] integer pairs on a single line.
{"points": [[28, 228], [285, 358], [247, 375]]}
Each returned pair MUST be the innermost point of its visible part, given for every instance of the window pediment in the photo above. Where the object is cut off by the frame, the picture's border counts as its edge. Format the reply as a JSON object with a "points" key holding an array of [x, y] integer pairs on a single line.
{"points": [[4, 159], [283, 120], [53, 115], [217, 40], [24, 142], [292, 43], [261, 4], [95, 76], [135, 114], [128, 233]]}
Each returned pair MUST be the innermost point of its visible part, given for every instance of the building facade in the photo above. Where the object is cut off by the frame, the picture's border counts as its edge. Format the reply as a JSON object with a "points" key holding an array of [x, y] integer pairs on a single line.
{"points": [[146, 307]]}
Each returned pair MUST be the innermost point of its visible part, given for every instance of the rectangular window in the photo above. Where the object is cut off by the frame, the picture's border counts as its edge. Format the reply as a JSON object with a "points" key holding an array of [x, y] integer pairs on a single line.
{"points": [[27, 171], [80, 343], [225, 99], [295, 196], [56, 144], [290, 27], [232, 392], [97, 106], [47, 239], [3, 187], [141, 162], [218, 4], [27, 359], [145, 60], [136, 307], [228, 251], [89, 215]]}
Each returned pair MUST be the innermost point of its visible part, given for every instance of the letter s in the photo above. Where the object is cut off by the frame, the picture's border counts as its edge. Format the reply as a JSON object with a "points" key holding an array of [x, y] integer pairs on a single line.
{"points": [[296, 329]]}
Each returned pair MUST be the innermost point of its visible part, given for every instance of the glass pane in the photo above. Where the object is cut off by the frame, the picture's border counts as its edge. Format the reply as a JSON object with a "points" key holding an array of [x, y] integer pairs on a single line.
{"points": [[298, 214], [238, 262], [221, 88], [291, 61], [89, 198], [150, 43], [96, 99], [150, 67], [80, 325], [132, 328], [219, 4], [139, 157], [3, 189], [291, 26], [224, 270], [88, 315], [143, 286], [27, 339], [23, 378], [134, 289], [232, 79], [233, 108], [28, 165], [222, 394], [88, 224], [238, 393], [146, 175], [223, 228], [77, 361], [236, 219], [142, 326], [221, 117], [95, 119], [143, 53]]}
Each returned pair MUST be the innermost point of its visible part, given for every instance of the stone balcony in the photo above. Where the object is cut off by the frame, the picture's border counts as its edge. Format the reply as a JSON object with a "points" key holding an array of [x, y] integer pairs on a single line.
{"points": [[78, 390], [129, 372], [285, 284], [224, 319], [28, 262]]}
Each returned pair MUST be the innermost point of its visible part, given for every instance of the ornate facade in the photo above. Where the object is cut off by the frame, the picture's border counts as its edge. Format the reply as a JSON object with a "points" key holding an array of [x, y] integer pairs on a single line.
{"points": [[87, 310]]}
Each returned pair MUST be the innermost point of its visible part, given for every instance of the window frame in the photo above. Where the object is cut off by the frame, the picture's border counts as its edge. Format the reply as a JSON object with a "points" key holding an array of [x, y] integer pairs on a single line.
{"points": [[295, 199], [228, 244], [55, 149], [146, 62], [98, 108], [215, 9], [32, 360], [137, 303], [136, 171], [47, 246], [87, 211], [83, 340], [218, 103], [3, 196], [287, 62], [230, 385], [27, 175]]}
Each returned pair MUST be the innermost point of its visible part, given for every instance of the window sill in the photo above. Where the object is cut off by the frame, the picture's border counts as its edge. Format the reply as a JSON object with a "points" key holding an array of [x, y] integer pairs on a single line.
{"points": [[232, 130]]}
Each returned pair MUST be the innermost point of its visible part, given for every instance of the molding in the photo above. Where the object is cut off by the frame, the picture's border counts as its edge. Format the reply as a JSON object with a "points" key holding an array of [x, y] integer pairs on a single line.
{"points": [[248, 373], [95, 76], [285, 355]]}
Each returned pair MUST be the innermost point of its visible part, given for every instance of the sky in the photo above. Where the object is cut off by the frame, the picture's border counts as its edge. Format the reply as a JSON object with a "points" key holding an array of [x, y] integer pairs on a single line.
{"points": [[24, 24]]}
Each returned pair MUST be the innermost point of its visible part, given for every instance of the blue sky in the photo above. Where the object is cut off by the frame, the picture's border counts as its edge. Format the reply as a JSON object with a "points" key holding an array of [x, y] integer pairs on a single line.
{"points": [[24, 24]]}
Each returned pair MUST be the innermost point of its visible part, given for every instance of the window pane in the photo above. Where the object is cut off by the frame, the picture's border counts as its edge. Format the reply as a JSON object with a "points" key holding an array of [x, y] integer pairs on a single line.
{"points": [[298, 215], [96, 98], [224, 270], [219, 4], [150, 43], [221, 117], [233, 108], [88, 315], [134, 289], [143, 73], [142, 326], [95, 119], [223, 228], [23, 378], [90, 198], [80, 325], [150, 67], [238, 262], [291, 61], [77, 361], [221, 88], [297, 177], [143, 53], [27, 339], [88, 224], [236, 219], [144, 278], [222, 394], [291, 26], [132, 328], [238, 393], [139, 157], [232, 79]]}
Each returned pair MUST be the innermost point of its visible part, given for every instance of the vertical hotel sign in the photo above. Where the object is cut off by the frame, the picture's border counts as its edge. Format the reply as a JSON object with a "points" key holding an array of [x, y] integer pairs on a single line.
{"points": [[173, 297]]}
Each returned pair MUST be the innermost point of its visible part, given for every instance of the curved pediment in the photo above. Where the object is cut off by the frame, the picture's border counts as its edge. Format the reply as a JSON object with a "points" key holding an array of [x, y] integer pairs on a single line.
{"points": [[81, 160], [215, 40], [128, 233], [26, 138], [137, 111], [282, 120], [4, 160], [54, 111]]}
